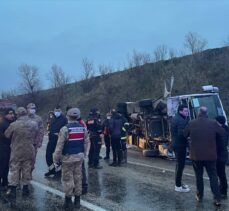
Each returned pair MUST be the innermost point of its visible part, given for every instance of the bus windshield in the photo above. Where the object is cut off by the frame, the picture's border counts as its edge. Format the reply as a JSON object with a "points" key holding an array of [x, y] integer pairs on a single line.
{"points": [[211, 102]]}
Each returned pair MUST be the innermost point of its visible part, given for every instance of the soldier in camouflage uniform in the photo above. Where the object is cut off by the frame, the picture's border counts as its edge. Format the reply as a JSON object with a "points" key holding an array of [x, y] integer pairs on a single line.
{"points": [[72, 147], [22, 133], [31, 109]]}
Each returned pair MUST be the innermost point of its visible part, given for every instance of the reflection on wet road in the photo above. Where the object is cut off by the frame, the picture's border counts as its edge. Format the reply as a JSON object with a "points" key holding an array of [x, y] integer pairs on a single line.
{"points": [[149, 185]]}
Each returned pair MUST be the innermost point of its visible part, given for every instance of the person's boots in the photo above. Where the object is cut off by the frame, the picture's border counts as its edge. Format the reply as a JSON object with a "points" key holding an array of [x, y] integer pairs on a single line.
{"points": [[25, 190], [77, 202], [11, 196], [68, 203], [50, 172]]}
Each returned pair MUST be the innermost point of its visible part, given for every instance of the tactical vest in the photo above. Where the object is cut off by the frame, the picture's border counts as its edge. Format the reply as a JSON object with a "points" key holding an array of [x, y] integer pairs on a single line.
{"points": [[75, 142]]}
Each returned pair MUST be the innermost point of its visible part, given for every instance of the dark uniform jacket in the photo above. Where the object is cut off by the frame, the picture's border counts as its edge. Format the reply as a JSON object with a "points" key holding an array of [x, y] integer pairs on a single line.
{"points": [[202, 132], [56, 124], [94, 126], [115, 125], [178, 125], [222, 143]]}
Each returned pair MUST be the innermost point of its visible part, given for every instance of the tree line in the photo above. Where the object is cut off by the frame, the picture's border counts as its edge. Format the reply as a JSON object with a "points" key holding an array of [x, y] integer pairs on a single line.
{"points": [[30, 84]]}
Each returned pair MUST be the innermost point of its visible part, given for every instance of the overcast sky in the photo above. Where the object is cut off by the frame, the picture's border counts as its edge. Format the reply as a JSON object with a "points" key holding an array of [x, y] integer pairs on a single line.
{"points": [[47, 32]]}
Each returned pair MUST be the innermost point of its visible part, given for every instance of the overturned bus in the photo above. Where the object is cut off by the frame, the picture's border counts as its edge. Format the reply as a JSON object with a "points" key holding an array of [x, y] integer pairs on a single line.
{"points": [[150, 119]]}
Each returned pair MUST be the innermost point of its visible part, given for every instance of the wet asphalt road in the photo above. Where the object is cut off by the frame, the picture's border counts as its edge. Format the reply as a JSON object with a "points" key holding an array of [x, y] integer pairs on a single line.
{"points": [[142, 184]]}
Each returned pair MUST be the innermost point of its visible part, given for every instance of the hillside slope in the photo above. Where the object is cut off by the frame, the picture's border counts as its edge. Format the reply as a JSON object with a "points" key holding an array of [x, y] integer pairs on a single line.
{"points": [[147, 81]]}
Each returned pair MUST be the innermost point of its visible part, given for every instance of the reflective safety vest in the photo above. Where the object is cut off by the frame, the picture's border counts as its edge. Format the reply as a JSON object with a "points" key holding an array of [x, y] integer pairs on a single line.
{"points": [[75, 142], [123, 134]]}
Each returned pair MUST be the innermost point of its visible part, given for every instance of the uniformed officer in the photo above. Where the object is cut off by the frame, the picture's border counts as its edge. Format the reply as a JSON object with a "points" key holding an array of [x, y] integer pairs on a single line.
{"points": [[22, 133], [72, 147], [31, 109], [94, 127], [56, 124]]}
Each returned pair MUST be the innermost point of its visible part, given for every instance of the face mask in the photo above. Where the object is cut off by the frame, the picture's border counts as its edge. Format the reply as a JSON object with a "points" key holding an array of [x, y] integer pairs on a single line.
{"points": [[57, 113], [32, 111]]}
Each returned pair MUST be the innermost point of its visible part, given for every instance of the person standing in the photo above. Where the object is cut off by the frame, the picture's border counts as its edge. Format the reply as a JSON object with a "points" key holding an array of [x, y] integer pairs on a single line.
{"points": [[180, 145], [22, 133], [202, 132], [222, 156], [72, 147], [31, 109], [107, 137], [115, 128], [8, 117], [124, 142], [94, 127], [56, 124]]}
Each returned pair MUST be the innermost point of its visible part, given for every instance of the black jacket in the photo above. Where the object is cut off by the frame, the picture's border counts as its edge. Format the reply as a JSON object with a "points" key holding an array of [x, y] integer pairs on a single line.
{"points": [[56, 124], [221, 144], [115, 125], [94, 126], [177, 131], [4, 142]]}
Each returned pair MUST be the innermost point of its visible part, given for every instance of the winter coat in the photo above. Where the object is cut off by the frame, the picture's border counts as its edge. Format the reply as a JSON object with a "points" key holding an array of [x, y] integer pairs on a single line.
{"points": [[178, 125], [202, 132]]}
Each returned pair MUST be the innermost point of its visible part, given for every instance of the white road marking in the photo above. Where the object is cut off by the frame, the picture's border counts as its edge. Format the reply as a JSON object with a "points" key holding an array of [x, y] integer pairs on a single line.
{"points": [[61, 194], [161, 169]]}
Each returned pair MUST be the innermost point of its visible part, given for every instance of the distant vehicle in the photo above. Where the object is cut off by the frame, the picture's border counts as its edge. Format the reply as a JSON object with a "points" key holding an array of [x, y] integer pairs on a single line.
{"points": [[150, 119]]}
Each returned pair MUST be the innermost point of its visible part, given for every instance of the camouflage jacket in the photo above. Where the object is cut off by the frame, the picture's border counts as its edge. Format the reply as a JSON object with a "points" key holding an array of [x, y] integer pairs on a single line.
{"points": [[39, 139], [62, 138], [22, 133]]}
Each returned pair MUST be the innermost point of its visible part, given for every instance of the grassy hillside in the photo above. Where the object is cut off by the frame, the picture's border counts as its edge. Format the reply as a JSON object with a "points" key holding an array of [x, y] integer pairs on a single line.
{"points": [[147, 81]]}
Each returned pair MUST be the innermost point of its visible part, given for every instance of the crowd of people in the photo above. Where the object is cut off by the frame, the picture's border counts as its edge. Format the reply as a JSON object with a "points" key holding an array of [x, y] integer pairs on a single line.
{"points": [[207, 141], [71, 140]]}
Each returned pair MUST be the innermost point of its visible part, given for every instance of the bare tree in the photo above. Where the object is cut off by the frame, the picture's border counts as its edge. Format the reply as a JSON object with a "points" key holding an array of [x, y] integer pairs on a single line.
{"points": [[104, 69], [58, 77], [88, 75], [136, 59], [194, 43], [88, 69], [8, 94], [172, 53], [59, 80], [30, 83], [160, 53]]}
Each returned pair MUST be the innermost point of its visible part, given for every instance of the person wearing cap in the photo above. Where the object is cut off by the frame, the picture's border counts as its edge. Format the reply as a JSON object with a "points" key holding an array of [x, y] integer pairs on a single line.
{"points": [[57, 122], [72, 147], [222, 156], [8, 117], [94, 127], [22, 133], [31, 109], [84, 175]]}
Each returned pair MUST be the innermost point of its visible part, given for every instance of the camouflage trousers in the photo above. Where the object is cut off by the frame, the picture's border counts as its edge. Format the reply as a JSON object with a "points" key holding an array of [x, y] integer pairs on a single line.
{"points": [[34, 160], [20, 172], [72, 178]]}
